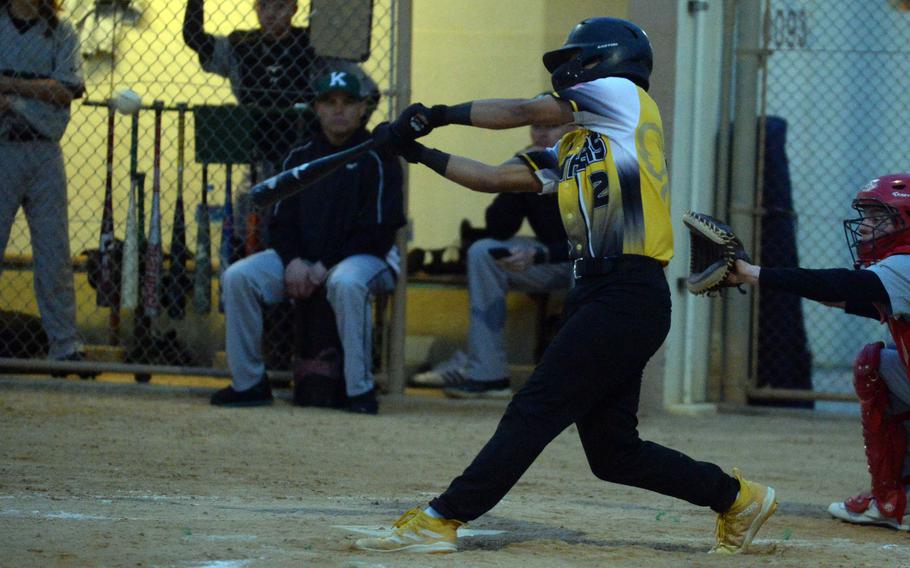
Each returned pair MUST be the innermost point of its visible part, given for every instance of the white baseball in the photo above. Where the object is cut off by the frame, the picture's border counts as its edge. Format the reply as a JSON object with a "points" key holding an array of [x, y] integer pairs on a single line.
{"points": [[127, 101]]}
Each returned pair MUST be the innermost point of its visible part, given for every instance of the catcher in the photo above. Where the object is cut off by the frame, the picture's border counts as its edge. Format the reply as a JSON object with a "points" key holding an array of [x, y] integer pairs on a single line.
{"points": [[611, 181], [879, 240]]}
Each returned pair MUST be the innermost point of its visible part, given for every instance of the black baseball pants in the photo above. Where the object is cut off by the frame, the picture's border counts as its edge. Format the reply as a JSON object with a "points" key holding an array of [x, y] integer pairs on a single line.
{"points": [[591, 375]]}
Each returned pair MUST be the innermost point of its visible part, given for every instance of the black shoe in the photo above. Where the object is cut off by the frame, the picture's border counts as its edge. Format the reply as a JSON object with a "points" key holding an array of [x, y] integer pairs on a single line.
{"points": [[75, 357], [365, 403], [480, 389], [259, 395]]}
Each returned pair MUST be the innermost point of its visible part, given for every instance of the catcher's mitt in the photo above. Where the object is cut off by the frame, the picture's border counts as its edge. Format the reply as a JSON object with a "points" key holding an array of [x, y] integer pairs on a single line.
{"points": [[713, 248]]}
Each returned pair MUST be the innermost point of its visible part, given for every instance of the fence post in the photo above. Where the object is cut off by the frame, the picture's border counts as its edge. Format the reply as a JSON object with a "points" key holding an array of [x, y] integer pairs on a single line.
{"points": [[738, 308], [401, 98]]}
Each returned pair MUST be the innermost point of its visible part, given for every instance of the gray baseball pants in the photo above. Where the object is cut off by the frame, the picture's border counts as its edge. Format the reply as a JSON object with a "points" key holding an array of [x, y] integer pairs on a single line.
{"points": [[32, 175], [258, 280], [488, 285]]}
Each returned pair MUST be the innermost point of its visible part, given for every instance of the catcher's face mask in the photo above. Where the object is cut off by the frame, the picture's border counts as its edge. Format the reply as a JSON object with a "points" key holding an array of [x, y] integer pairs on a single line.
{"points": [[884, 219]]}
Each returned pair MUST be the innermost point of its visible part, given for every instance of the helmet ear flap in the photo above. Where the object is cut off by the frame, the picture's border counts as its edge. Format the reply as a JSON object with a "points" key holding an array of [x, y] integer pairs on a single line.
{"points": [[552, 60], [593, 61]]}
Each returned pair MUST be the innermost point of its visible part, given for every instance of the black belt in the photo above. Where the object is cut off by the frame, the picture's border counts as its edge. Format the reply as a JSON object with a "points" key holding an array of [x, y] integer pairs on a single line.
{"points": [[583, 267], [22, 133]]}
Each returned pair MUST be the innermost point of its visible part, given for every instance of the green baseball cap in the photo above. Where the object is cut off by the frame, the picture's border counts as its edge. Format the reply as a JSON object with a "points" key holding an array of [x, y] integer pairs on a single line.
{"points": [[338, 80]]}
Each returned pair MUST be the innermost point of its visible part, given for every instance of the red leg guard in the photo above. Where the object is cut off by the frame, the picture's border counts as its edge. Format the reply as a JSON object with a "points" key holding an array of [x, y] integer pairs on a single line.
{"points": [[884, 436]]}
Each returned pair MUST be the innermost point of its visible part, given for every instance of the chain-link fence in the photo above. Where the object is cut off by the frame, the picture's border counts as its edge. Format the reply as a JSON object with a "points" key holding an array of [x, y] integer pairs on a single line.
{"points": [[226, 90], [834, 117]]}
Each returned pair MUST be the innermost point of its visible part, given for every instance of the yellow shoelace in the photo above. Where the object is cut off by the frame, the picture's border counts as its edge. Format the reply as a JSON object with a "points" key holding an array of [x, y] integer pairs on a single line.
{"points": [[407, 516]]}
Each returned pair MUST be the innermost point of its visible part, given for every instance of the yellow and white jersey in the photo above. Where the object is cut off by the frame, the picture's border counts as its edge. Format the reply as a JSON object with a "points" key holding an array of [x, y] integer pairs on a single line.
{"points": [[611, 173]]}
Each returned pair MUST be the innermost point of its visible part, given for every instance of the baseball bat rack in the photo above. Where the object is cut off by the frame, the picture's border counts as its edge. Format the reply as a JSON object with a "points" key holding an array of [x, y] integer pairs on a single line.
{"points": [[153, 106], [300, 107]]}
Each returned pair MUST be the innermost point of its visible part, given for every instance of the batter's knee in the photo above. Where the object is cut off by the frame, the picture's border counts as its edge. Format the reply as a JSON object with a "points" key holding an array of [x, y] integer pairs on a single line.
{"points": [[616, 464]]}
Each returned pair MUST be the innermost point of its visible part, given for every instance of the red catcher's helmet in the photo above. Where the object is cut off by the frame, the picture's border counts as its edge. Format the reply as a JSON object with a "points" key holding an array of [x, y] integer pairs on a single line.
{"points": [[883, 205]]}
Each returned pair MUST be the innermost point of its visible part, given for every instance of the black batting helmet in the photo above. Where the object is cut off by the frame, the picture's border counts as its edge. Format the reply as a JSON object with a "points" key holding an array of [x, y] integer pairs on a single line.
{"points": [[601, 47]]}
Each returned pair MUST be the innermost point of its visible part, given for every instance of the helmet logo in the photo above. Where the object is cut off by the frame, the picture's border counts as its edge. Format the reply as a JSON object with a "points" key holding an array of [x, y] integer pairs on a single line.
{"points": [[603, 45], [870, 186], [900, 194]]}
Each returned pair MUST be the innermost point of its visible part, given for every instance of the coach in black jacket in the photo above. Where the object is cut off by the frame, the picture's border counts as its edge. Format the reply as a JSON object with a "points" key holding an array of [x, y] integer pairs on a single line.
{"points": [[338, 233]]}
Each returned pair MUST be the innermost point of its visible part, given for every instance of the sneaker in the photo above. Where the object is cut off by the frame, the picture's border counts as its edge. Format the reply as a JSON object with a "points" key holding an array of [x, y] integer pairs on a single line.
{"points": [[862, 510], [365, 403], [76, 357], [415, 531], [480, 389], [446, 374], [737, 527], [259, 394]]}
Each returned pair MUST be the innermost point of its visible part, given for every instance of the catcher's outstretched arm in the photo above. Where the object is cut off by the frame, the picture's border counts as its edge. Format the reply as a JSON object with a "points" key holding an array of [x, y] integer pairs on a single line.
{"points": [[744, 273], [826, 284]]}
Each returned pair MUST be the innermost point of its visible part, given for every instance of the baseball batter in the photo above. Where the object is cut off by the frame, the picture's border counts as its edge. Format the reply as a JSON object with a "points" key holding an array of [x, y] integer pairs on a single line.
{"points": [[879, 240], [612, 185]]}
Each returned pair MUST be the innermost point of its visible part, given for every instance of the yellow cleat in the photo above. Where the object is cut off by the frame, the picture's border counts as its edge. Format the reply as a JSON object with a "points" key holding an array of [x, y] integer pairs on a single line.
{"points": [[415, 531], [737, 527]]}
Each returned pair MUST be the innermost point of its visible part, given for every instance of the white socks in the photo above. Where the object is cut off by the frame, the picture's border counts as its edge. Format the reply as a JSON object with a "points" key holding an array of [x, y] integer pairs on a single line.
{"points": [[432, 512]]}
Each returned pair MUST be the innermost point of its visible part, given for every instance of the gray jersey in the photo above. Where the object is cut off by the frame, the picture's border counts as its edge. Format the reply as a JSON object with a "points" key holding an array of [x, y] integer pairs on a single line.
{"points": [[39, 53], [894, 272]]}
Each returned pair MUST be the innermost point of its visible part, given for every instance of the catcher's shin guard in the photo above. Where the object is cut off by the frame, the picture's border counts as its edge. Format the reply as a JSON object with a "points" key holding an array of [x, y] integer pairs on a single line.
{"points": [[884, 436]]}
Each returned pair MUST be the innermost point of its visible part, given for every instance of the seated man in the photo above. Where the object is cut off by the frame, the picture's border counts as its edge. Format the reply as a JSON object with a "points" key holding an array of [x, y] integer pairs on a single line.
{"points": [[338, 233], [533, 264]]}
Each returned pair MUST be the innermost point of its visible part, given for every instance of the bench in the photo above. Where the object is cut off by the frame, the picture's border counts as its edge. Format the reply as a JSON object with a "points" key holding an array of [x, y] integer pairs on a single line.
{"points": [[460, 281]]}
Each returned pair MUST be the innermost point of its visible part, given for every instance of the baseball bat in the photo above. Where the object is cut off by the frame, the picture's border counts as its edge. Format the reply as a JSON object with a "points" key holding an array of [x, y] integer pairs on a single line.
{"points": [[296, 179], [151, 284], [106, 289], [226, 250], [202, 282], [129, 270], [129, 275], [177, 283], [140, 187]]}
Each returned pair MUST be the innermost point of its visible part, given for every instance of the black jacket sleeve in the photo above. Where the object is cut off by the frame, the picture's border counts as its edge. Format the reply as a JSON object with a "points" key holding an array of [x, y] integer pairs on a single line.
{"points": [[283, 234], [380, 212], [827, 285], [194, 30], [558, 252], [505, 215], [864, 309]]}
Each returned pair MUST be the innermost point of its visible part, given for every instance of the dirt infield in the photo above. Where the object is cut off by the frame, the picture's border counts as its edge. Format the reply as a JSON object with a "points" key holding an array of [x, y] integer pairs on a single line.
{"points": [[95, 474]]}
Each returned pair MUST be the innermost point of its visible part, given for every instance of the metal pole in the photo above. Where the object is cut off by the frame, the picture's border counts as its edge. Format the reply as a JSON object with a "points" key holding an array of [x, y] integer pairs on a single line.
{"points": [[738, 308], [716, 358], [402, 97], [76, 367]]}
